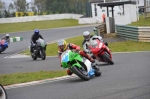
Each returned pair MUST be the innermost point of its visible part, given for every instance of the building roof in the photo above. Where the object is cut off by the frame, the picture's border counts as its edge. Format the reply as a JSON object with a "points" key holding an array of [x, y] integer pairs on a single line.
{"points": [[117, 3]]}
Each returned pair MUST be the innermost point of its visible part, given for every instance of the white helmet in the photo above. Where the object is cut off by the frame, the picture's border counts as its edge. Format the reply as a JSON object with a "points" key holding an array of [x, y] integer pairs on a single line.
{"points": [[86, 35], [7, 35]]}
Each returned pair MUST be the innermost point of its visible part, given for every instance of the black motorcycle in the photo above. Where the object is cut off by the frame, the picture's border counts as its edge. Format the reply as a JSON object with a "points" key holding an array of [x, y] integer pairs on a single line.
{"points": [[3, 94], [39, 50]]}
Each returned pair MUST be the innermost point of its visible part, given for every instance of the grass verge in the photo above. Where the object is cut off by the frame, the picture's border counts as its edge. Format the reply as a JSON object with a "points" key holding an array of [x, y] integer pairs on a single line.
{"points": [[25, 26], [8, 79], [125, 46], [142, 22], [34, 76]]}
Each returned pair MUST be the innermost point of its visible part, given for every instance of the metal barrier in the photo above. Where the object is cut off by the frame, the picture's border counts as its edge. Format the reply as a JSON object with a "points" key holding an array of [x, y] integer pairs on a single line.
{"points": [[144, 34], [133, 33]]}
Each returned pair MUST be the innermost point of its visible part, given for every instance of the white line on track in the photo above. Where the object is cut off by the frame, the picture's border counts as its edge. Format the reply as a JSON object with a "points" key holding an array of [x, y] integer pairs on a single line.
{"points": [[39, 82], [17, 53]]}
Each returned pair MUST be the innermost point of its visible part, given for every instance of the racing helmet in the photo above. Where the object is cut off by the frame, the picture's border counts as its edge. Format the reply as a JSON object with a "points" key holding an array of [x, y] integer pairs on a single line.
{"points": [[62, 44], [7, 35], [86, 35], [36, 31]]}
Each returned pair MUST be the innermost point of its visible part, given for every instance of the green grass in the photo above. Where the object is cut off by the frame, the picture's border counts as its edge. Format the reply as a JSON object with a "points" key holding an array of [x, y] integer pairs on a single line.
{"points": [[142, 22], [8, 79], [25, 26], [126, 46], [52, 49], [129, 46]]}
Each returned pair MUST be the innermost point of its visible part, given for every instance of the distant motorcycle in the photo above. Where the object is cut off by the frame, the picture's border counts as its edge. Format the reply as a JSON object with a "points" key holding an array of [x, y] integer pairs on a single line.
{"points": [[100, 51], [3, 45], [39, 50], [78, 65], [3, 94]]}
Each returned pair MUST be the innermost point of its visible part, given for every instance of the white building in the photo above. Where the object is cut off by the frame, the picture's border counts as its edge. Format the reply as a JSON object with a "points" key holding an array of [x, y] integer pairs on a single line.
{"points": [[124, 11]]}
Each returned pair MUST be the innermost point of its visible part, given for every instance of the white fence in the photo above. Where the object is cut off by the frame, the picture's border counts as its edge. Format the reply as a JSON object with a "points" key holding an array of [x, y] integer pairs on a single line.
{"points": [[122, 20], [39, 18]]}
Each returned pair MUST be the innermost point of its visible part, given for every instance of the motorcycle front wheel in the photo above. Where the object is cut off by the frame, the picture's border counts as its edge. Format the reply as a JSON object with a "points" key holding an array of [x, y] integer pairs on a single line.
{"points": [[3, 94], [80, 74], [34, 57], [106, 57]]}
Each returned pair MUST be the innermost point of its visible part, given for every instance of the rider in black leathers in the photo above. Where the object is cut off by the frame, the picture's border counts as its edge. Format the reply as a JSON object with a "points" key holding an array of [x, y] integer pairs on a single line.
{"points": [[35, 37]]}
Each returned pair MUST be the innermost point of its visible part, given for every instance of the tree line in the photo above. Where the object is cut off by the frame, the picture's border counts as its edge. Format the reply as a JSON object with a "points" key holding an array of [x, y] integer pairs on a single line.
{"points": [[40, 7]]}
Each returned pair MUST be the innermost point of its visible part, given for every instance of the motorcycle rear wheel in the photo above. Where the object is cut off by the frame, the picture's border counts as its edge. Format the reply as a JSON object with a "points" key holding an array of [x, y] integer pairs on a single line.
{"points": [[3, 94], [43, 55], [75, 70]]}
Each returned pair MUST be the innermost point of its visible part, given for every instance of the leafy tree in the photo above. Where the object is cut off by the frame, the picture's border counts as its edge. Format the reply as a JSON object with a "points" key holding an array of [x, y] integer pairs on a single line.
{"points": [[21, 5], [39, 5], [2, 8]]}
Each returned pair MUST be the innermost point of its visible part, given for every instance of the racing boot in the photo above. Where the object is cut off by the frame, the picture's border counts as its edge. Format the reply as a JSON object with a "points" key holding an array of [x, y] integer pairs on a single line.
{"points": [[69, 72], [94, 66]]}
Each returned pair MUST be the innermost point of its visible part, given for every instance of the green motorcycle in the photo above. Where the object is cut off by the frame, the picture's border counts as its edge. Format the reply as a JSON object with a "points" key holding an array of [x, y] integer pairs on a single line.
{"points": [[78, 65]]}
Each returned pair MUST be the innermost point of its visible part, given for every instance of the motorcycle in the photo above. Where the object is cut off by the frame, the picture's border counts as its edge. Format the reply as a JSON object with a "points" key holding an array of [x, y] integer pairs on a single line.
{"points": [[100, 51], [3, 94], [78, 65], [3, 45], [39, 50]]}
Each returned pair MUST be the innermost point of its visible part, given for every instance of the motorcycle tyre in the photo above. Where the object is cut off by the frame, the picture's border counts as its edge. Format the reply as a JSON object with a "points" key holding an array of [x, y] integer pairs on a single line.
{"points": [[97, 73], [4, 91], [33, 57], [79, 74], [44, 55], [108, 59]]}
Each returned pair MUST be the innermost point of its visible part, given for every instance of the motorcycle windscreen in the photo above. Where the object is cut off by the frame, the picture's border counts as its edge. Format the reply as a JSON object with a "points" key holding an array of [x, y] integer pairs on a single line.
{"points": [[41, 41], [95, 46]]}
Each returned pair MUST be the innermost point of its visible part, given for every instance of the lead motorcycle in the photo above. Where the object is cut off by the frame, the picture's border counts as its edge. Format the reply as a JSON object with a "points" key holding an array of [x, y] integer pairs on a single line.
{"points": [[39, 50], [3, 94], [78, 65], [3, 45], [100, 51]]}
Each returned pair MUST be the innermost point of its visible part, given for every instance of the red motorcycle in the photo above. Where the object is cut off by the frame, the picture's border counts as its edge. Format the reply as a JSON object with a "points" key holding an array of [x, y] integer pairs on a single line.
{"points": [[100, 51]]}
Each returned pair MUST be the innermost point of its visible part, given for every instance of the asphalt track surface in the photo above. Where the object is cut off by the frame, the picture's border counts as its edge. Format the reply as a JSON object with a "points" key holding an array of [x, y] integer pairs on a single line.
{"points": [[128, 78], [26, 65]]}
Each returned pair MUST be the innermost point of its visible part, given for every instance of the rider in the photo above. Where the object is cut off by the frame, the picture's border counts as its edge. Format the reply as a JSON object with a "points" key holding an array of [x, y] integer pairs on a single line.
{"points": [[35, 37], [63, 46], [7, 38], [87, 37]]}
